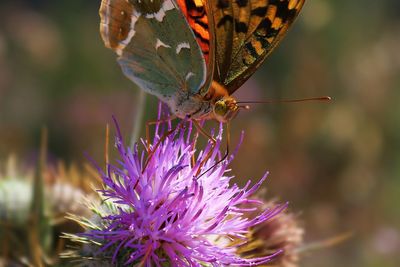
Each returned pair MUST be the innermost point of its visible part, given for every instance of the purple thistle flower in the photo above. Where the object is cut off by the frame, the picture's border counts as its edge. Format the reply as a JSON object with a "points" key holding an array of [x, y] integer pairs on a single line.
{"points": [[166, 215]]}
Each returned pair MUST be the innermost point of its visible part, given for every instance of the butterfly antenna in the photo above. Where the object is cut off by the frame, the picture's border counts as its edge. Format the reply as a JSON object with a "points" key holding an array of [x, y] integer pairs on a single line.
{"points": [[318, 99], [247, 107]]}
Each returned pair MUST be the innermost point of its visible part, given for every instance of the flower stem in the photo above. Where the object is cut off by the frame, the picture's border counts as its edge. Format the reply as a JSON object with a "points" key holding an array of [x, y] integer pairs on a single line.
{"points": [[139, 114]]}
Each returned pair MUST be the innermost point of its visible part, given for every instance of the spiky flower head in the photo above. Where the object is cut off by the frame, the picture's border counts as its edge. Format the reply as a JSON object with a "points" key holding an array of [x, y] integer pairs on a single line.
{"points": [[282, 232], [15, 193], [33, 204], [174, 207]]}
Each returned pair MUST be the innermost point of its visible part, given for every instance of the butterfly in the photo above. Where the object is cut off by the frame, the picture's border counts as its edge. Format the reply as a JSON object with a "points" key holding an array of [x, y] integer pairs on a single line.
{"points": [[194, 54]]}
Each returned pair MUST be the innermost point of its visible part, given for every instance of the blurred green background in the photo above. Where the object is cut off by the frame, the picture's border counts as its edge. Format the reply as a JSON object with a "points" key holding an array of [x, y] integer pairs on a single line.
{"points": [[338, 164]]}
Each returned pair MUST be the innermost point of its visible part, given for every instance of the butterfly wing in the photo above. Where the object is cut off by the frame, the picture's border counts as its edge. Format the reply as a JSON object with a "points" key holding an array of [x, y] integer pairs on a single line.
{"points": [[246, 32], [198, 14], [156, 47], [195, 12]]}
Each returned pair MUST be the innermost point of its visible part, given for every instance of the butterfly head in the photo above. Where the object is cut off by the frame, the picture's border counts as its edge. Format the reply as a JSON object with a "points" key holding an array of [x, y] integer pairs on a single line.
{"points": [[225, 109]]}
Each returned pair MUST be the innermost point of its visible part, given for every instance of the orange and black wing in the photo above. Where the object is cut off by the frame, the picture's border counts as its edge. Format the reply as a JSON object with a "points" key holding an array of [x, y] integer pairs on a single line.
{"points": [[246, 31], [195, 12], [198, 14]]}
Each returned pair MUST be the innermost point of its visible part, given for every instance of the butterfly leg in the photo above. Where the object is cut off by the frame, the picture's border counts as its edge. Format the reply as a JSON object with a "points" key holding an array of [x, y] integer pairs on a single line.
{"points": [[164, 136], [228, 138], [149, 124], [151, 152], [195, 137], [228, 141], [210, 138]]}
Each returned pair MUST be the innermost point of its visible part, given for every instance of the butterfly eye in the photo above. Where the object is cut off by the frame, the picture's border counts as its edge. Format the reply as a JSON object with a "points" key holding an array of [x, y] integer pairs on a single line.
{"points": [[220, 108]]}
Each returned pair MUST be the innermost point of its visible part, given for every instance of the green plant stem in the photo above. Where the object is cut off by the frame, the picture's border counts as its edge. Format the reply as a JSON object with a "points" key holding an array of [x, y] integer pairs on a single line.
{"points": [[138, 120]]}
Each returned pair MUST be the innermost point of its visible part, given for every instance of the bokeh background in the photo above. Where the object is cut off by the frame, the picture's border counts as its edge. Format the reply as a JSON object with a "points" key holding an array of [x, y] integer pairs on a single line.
{"points": [[338, 164]]}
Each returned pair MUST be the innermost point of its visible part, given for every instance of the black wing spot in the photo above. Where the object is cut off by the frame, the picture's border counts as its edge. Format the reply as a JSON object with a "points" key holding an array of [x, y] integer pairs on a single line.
{"points": [[191, 6], [202, 39], [224, 20], [223, 4], [264, 28], [283, 10], [251, 49], [259, 11], [202, 24], [240, 27], [242, 3]]}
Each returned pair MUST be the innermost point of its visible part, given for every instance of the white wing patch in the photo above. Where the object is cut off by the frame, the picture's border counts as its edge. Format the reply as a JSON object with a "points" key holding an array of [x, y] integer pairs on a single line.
{"points": [[167, 5], [161, 44], [189, 75], [180, 46], [127, 40]]}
